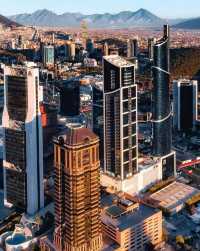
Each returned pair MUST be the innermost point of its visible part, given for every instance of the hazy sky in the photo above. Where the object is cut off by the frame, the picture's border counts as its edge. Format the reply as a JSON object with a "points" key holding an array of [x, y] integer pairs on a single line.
{"points": [[162, 8]]}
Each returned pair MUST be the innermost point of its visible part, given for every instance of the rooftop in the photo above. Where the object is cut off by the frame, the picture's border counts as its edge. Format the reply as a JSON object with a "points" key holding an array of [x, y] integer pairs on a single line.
{"points": [[118, 61], [128, 220], [76, 135], [115, 211], [173, 195], [147, 162]]}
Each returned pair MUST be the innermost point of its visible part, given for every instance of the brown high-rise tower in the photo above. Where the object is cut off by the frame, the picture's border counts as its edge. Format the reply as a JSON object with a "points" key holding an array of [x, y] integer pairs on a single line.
{"points": [[77, 191]]}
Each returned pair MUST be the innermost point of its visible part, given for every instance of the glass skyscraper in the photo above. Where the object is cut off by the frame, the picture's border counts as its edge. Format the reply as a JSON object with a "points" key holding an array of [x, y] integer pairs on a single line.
{"points": [[48, 55], [23, 139], [162, 121], [120, 118]]}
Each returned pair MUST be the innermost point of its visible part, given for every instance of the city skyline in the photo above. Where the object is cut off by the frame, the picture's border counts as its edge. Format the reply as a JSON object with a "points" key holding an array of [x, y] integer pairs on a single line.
{"points": [[100, 125], [90, 7]]}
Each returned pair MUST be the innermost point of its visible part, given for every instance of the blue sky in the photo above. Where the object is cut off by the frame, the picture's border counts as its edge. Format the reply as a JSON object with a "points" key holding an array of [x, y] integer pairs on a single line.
{"points": [[162, 8]]}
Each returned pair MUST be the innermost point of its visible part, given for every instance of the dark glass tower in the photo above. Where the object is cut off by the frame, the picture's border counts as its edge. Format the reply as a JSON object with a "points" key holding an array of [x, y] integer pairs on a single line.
{"points": [[98, 116], [162, 124], [185, 99], [70, 94], [120, 118]]}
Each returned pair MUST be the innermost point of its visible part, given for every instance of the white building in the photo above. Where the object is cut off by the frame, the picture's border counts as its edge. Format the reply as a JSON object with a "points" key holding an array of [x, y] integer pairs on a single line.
{"points": [[23, 145], [150, 171]]}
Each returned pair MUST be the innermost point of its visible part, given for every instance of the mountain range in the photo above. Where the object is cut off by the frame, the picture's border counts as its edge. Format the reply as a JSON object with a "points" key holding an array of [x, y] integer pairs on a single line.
{"points": [[125, 19], [7, 22], [189, 24]]}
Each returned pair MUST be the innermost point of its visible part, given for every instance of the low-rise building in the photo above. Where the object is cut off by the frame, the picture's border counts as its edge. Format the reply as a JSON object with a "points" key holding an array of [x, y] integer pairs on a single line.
{"points": [[130, 224], [173, 197]]}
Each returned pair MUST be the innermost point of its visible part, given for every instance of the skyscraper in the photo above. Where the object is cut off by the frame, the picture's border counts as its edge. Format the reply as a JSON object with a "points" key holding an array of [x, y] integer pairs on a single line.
{"points": [[89, 45], [185, 101], [70, 50], [48, 55], [132, 48], [77, 191], [97, 114], [70, 98], [105, 49], [23, 146], [120, 118], [162, 122], [151, 42]]}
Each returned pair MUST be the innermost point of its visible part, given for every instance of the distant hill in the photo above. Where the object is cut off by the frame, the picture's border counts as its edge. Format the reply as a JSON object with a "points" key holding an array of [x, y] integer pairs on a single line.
{"points": [[125, 19], [189, 24], [7, 22]]}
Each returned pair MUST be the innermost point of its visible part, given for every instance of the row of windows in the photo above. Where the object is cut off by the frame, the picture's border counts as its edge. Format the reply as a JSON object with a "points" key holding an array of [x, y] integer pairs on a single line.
{"points": [[129, 130], [129, 142], [129, 92], [130, 154], [129, 106], [129, 118], [85, 158]]}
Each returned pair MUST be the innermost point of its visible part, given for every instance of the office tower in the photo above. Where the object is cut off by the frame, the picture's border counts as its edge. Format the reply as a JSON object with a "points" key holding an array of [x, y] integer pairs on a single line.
{"points": [[97, 114], [151, 42], [120, 118], [1, 91], [132, 48], [77, 191], [162, 124], [53, 38], [23, 146], [89, 45], [198, 107], [70, 98], [48, 55], [105, 49], [185, 101], [49, 113], [20, 41], [70, 51]]}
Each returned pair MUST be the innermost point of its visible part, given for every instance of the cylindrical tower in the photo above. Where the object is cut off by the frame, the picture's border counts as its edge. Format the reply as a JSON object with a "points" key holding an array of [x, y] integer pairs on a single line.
{"points": [[161, 97]]}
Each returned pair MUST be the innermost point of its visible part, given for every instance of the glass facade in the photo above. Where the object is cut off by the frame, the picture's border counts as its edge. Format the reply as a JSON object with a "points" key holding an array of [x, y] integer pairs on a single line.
{"points": [[120, 118], [162, 123], [15, 140], [70, 94]]}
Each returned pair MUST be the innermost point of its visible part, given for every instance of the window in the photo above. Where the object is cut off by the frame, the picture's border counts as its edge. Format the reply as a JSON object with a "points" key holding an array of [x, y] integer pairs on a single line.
{"points": [[133, 92], [133, 140], [133, 128], [126, 143], [134, 152], [133, 116], [133, 104], [125, 119], [125, 93], [125, 106], [125, 131], [126, 156], [112, 79], [62, 156], [134, 164], [86, 157]]}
